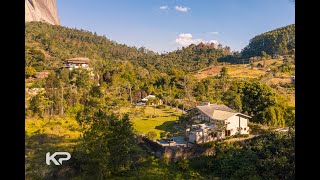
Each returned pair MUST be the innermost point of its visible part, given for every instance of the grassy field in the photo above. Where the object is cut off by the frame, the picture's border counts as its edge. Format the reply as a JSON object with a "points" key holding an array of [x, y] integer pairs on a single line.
{"points": [[164, 120], [47, 135], [238, 70]]}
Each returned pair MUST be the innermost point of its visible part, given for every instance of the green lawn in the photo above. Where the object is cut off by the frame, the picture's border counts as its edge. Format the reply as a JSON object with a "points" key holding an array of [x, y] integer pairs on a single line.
{"points": [[62, 134], [45, 135], [164, 121]]}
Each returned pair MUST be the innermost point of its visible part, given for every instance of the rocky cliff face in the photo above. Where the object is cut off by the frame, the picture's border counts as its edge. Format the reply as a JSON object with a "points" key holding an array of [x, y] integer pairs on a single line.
{"points": [[41, 10]]}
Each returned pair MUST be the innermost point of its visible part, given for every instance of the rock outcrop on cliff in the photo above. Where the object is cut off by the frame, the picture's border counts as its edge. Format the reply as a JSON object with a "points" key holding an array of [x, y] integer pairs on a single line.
{"points": [[41, 10]]}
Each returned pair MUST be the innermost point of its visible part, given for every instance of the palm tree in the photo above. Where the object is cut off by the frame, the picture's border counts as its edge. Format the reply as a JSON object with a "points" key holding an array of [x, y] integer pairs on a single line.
{"points": [[155, 102]]}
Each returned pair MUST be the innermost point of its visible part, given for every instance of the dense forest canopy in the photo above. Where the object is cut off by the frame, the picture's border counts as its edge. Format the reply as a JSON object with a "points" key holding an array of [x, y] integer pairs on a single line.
{"points": [[280, 41], [47, 46]]}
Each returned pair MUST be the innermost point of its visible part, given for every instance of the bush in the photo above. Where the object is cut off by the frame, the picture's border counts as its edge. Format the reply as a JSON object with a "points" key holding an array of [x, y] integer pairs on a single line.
{"points": [[180, 106], [164, 134], [151, 135], [183, 164], [241, 135], [161, 107]]}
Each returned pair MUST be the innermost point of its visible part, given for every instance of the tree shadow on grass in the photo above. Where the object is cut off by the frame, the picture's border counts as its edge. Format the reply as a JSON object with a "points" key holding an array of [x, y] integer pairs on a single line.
{"points": [[36, 147], [167, 111], [168, 127]]}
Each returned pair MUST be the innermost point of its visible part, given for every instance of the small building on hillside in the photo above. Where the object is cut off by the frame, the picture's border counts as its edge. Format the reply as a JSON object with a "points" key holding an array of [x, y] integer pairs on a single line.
{"points": [[34, 91], [276, 56], [147, 98], [78, 62], [42, 74], [223, 121]]}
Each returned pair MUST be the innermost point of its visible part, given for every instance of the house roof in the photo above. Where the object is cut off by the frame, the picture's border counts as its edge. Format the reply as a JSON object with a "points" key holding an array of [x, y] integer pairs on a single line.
{"points": [[221, 107], [219, 112], [78, 60]]}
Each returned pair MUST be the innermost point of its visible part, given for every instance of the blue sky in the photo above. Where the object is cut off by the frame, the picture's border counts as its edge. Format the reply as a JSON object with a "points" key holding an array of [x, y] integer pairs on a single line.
{"points": [[165, 25]]}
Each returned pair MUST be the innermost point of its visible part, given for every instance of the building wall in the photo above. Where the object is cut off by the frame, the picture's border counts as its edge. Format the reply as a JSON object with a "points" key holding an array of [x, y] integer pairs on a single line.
{"points": [[234, 124], [200, 137], [192, 137]]}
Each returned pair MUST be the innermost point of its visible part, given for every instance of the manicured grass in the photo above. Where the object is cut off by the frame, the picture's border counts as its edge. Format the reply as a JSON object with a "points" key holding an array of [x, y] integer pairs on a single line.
{"points": [[164, 120]]}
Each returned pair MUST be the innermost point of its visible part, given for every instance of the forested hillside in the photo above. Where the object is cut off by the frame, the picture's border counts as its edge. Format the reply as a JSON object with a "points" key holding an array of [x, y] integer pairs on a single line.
{"points": [[92, 113], [128, 74], [280, 41], [47, 46]]}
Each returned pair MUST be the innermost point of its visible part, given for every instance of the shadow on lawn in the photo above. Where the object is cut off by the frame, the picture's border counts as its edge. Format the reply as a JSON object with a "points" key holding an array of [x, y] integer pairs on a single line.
{"points": [[167, 126], [36, 147]]}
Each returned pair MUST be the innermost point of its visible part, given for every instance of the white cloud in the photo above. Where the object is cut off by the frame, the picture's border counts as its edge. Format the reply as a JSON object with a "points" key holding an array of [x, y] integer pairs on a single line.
{"points": [[214, 41], [187, 35], [186, 39], [182, 9], [164, 7], [215, 33]]}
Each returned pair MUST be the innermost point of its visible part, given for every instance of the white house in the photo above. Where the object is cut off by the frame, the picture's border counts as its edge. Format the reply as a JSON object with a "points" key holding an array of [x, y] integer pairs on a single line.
{"points": [[222, 120], [148, 97], [144, 100], [78, 62]]}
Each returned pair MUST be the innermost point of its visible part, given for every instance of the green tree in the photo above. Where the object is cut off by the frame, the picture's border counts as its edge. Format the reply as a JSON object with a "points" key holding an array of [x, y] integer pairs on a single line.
{"points": [[224, 72], [151, 135], [264, 55], [183, 164], [30, 71], [39, 104], [154, 102], [109, 145]]}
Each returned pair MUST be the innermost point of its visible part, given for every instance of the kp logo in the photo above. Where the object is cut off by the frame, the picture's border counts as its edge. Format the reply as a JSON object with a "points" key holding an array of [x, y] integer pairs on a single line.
{"points": [[51, 158]]}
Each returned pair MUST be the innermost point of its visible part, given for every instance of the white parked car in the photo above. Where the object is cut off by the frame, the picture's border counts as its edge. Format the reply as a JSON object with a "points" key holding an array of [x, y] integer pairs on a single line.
{"points": [[140, 104]]}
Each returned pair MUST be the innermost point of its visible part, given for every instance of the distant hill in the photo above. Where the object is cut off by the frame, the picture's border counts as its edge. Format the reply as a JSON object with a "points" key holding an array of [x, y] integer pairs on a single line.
{"points": [[48, 45], [280, 41], [193, 57]]}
